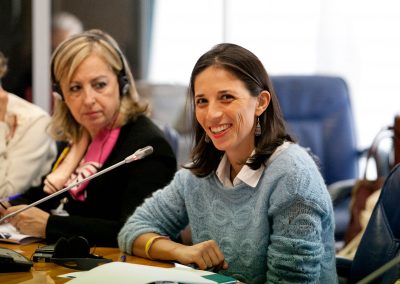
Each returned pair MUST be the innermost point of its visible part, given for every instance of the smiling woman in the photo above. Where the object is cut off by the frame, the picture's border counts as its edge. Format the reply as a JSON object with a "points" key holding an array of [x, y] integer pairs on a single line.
{"points": [[225, 109], [255, 201], [101, 116]]}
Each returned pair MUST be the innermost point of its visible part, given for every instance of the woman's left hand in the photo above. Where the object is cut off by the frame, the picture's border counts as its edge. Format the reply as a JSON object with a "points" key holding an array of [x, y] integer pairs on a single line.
{"points": [[204, 255], [32, 221]]}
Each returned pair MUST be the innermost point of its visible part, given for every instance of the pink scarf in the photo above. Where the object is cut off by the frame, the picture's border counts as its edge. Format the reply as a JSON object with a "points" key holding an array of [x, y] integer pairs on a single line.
{"points": [[96, 154]]}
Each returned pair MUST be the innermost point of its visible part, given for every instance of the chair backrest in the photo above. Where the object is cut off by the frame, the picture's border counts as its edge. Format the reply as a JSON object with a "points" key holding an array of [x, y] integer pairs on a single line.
{"points": [[166, 101], [380, 242], [319, 115], [168, 105], [172, 137]]}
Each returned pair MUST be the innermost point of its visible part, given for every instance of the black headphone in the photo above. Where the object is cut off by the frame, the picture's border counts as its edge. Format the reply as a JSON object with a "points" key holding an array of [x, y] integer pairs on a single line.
{"points": [[76, 247], [96, 35], [75, 253]]}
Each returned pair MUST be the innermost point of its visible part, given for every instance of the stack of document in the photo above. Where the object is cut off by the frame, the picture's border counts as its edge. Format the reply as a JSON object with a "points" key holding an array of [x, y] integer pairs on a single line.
{"points": [[122, 272]]}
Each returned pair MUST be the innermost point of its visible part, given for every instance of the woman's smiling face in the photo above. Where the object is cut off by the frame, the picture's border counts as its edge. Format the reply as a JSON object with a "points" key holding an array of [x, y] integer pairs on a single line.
{"points": [[226, 110]]}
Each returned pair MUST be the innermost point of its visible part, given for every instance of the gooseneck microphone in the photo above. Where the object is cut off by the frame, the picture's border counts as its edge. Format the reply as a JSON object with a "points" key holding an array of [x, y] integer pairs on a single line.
{"points": [[138, 155]]}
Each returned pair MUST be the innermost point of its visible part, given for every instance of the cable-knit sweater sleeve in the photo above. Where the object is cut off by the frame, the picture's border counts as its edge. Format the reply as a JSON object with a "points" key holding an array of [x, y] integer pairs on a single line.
{"points": [[299, 209], [164, 213]]}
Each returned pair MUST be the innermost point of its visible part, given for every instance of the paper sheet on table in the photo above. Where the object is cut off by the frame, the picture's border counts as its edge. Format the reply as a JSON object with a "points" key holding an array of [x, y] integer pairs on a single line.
{"points": [[122, 272], [9, 234]]}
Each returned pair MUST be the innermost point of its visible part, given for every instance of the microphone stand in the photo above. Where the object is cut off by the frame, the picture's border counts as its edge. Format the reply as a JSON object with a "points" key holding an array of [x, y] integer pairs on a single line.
{"points": [[139, 154]]}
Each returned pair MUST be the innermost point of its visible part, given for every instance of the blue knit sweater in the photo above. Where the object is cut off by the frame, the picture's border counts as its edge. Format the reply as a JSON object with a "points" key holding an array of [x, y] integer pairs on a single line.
{"points": [[281, 231]]}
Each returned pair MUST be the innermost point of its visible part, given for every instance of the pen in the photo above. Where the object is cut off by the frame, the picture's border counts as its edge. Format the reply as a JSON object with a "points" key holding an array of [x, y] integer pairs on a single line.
{"points": [[9, 198], [2, 205]]}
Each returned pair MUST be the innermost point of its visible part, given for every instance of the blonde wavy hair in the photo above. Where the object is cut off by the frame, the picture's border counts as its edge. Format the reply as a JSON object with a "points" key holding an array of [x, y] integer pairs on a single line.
{"points": [[66, 59]]}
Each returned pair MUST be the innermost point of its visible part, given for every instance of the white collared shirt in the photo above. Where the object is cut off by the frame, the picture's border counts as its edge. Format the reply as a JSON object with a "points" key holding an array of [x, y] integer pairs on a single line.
{"points": [[246, 174]]}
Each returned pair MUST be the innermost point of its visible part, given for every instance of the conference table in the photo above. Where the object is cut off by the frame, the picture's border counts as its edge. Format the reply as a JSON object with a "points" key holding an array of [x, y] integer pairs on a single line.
{"points": [[47, 272]]}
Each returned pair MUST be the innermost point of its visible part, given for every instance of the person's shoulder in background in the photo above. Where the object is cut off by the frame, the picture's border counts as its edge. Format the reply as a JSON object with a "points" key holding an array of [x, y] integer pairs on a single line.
{"points": [[23, 108]]}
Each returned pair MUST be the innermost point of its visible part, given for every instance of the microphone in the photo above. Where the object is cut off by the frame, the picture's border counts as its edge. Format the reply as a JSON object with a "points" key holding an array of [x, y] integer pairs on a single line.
{"points": [[138, 155]]}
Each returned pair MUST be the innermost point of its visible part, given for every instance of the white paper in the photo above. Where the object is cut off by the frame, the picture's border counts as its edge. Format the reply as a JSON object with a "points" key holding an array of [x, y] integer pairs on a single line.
{"points": [[122, 272], [9, 234], [191, 269]]}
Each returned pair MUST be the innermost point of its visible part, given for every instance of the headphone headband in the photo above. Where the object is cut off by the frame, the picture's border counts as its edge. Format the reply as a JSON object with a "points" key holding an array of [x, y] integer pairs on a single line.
{"points": [[95, 36]]}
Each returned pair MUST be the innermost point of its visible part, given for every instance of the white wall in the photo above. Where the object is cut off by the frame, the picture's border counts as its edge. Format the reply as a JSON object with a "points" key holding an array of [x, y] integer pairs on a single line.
{"points": [[41, 91], [358, 40]]}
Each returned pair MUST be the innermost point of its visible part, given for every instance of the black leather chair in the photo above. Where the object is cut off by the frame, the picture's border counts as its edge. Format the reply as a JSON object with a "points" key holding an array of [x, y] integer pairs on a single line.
{"points": [[380, 242]]}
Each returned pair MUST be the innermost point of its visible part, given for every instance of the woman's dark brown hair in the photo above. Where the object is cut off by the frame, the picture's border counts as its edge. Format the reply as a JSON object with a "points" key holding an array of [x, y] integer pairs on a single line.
{"points": [[248, 68]]}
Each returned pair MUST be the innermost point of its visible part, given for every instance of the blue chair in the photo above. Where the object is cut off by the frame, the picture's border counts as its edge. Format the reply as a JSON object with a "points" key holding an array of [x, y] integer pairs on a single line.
{"points": [[172, 137], [167, 103], [380, 242], [319, 115]]}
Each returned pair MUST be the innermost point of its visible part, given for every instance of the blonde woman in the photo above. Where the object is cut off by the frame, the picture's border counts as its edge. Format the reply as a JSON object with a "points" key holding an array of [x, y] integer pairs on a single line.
{"points": [[97, 98]]}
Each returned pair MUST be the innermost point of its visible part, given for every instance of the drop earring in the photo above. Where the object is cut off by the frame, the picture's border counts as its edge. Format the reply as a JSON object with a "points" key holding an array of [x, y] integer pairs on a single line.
{"points": [[207, 139], [257, 132]]}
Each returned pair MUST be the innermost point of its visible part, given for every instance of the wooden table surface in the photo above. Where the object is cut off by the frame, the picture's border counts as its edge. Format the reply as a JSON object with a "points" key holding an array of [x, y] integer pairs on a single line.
{"points": [[46, 273]]}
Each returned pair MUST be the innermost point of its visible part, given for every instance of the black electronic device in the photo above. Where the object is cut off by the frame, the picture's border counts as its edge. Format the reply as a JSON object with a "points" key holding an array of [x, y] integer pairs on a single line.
{"points": [[43, 254], [72, 253], [12, 261]]}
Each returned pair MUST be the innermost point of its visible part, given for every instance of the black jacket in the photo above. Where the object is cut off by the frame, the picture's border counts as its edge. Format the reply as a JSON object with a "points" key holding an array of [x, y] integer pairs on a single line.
{"points": [[113, 196]]}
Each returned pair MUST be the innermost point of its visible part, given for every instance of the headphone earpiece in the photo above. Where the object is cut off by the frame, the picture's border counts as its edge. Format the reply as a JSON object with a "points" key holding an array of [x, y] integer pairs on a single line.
{"points": [[57, 91], [74, 247], [61, 248], [123, 84], [75, 253], [79, 246]]}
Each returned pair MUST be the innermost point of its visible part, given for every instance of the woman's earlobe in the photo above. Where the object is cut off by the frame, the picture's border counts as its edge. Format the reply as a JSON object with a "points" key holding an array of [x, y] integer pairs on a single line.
{"points": [[264, 99]]}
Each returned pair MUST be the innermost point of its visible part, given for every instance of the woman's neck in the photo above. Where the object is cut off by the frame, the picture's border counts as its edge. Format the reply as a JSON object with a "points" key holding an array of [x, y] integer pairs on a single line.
{"points": [[116, 123], [237, 164], [233, 173]]}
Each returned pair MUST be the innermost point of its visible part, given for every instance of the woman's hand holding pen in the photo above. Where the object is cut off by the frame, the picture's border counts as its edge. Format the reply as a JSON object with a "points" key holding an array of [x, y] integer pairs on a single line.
{"points": [[32, 221], [4, 203], [205, 255], [3, 207]]}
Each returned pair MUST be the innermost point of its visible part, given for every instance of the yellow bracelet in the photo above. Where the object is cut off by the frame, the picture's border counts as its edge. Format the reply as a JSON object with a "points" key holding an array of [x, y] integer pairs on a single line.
{"points": [[150, 243]]}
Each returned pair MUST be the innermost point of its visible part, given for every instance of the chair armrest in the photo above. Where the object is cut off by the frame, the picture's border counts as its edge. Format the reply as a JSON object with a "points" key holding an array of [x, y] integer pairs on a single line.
{"points": [[341, 190], [343, 268]]}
